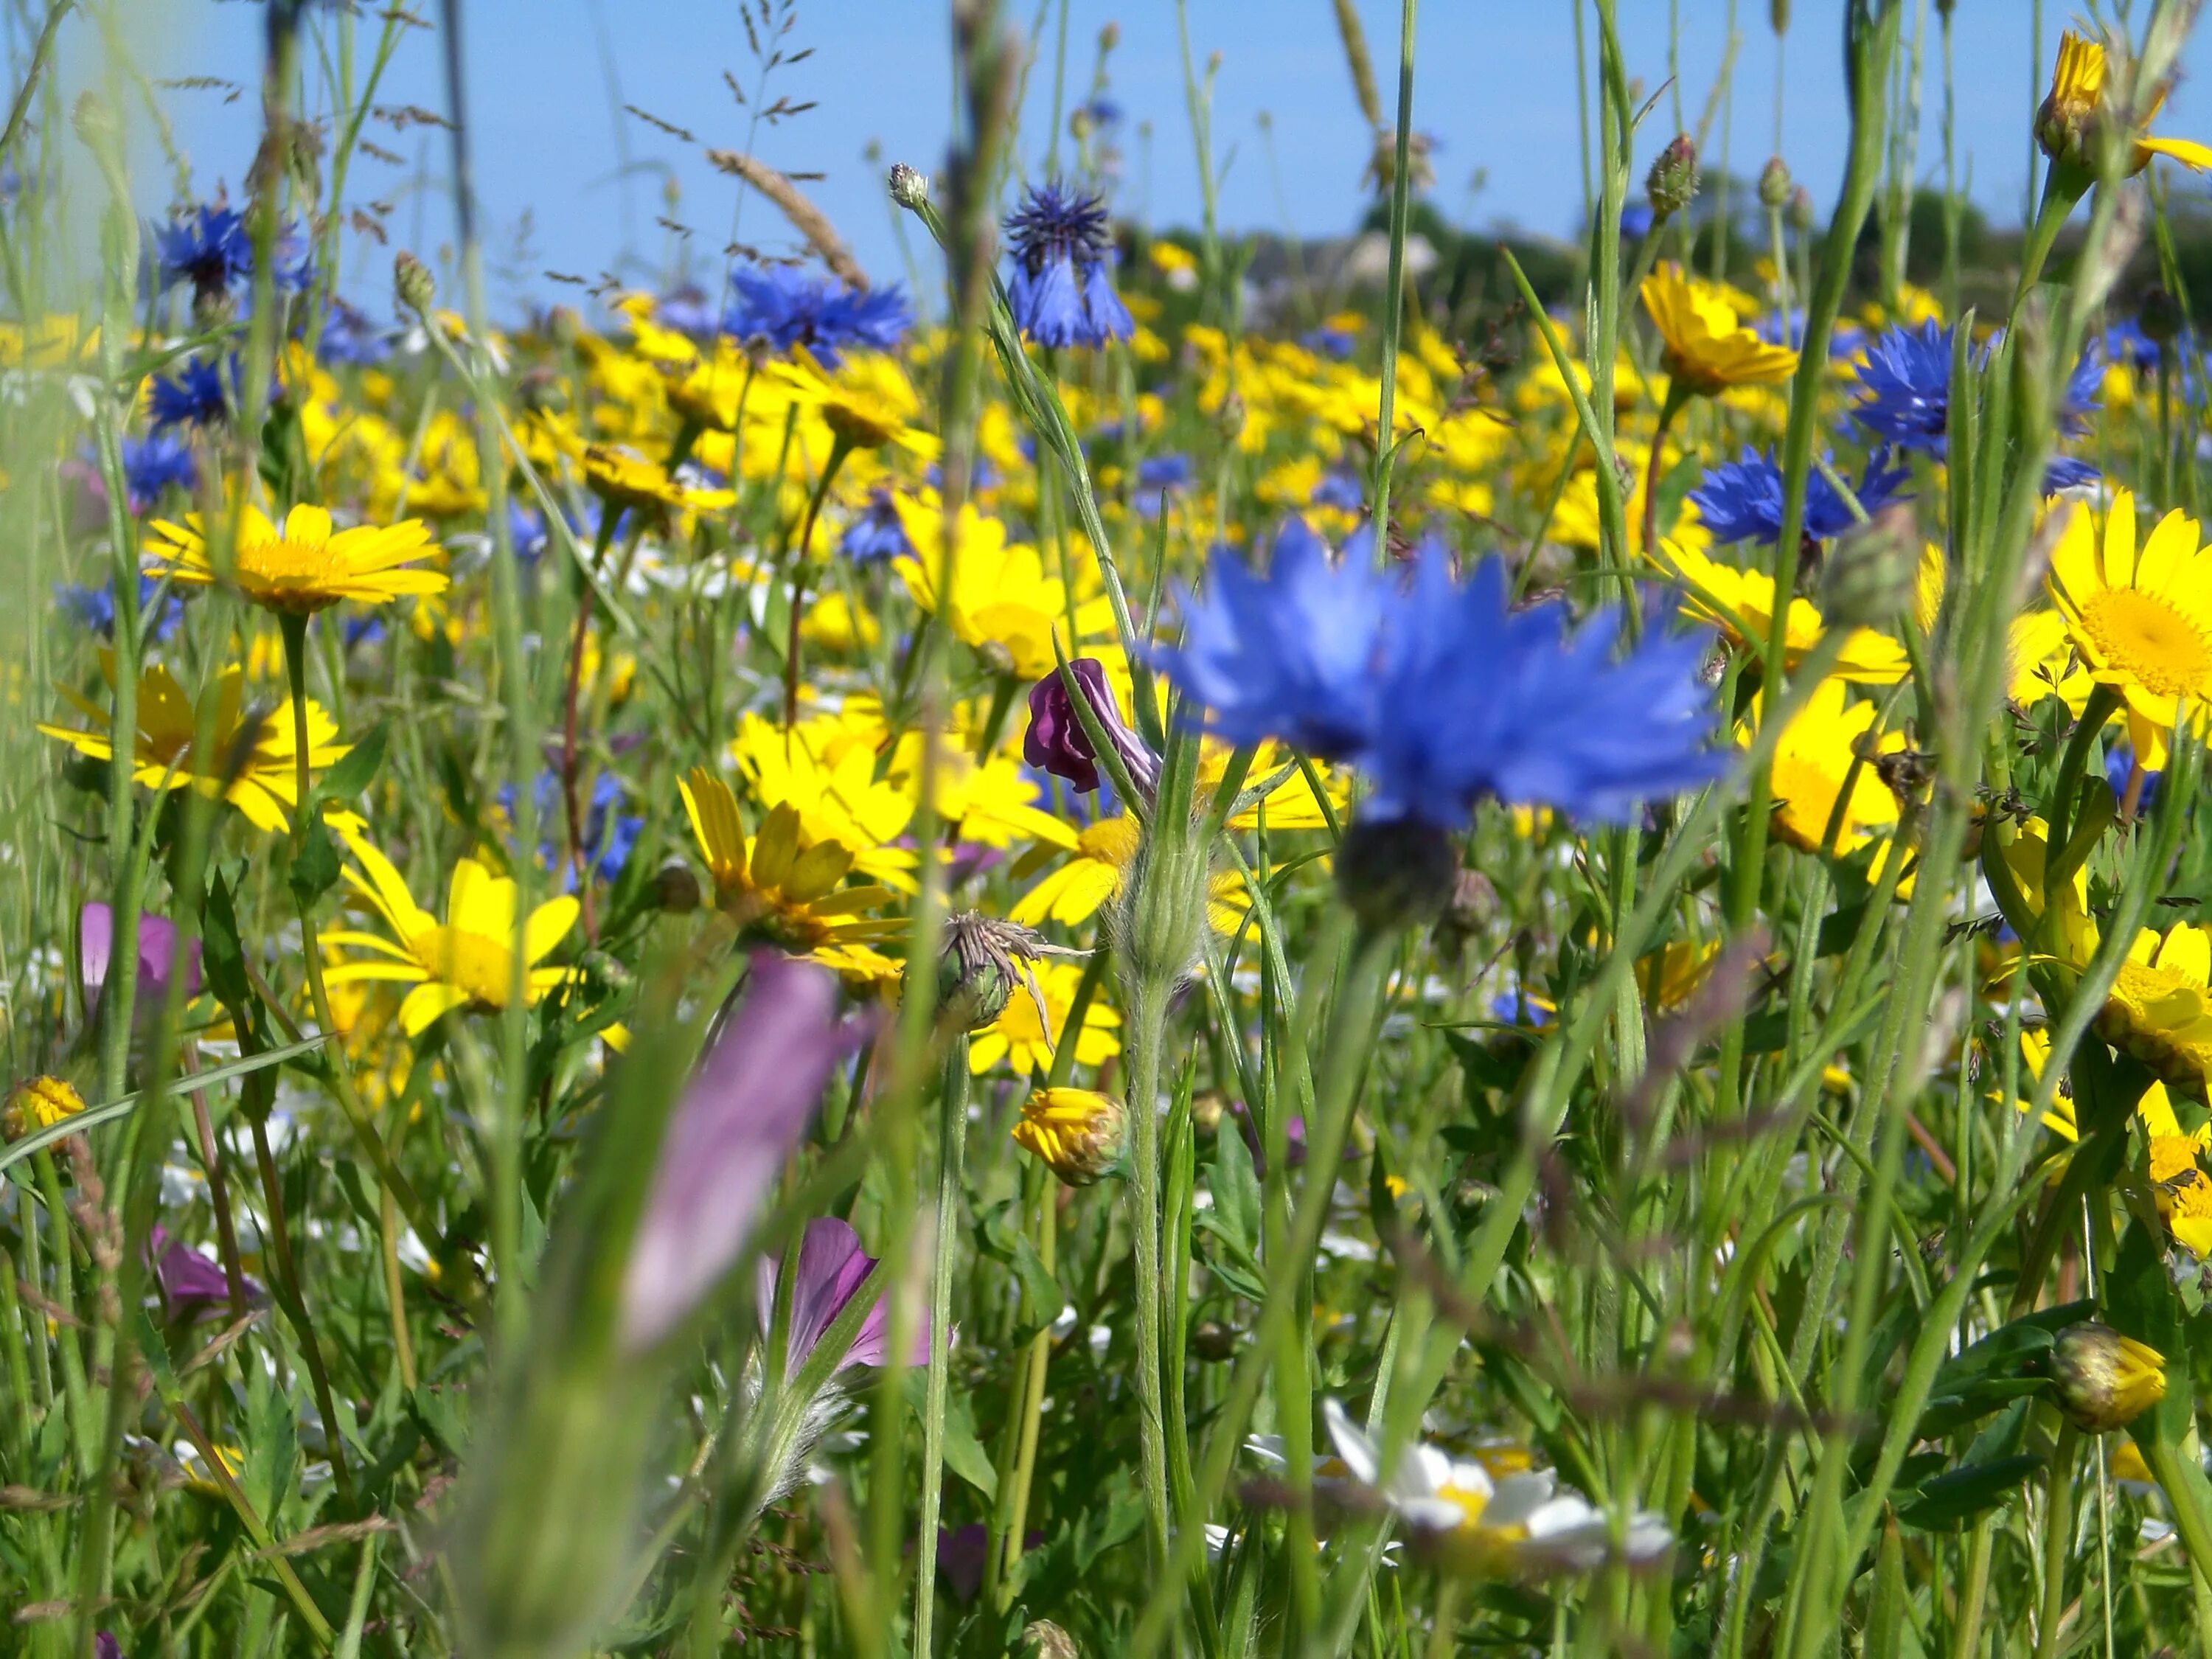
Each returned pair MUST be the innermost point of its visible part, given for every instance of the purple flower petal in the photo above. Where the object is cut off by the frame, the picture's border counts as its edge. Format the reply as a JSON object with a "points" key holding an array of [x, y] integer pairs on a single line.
{"points": [[744, 1111], [157, 950]]}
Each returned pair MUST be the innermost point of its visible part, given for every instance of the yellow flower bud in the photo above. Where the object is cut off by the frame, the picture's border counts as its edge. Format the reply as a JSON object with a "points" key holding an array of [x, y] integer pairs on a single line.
{"points": [[2103, 1380], [39, 1104], [1081, 1133]]}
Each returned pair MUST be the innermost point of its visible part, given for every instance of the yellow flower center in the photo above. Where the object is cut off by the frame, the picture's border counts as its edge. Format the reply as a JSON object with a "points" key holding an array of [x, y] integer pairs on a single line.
{"points": [[469, 962], [289, 574], [1109, 840], [1467, 1501], [2145, 637]]}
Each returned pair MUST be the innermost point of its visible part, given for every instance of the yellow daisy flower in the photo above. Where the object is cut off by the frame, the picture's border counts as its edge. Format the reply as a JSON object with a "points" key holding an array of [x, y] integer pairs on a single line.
{"points": [[306, 566], [1003, 605], [1743, 603], [1023, 1043], [2158, 1011], [1706, 348], [621, 477], [1811, 763], [1075, 892], [2142, 623], [779, 884], [832, 785], [262, 787], [867, 402], [467, 961]]}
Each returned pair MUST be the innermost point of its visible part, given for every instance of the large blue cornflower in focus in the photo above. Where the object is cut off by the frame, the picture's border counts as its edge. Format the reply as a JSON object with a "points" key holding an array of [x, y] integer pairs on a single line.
{"points": [[790, 309], [1741, 501], [1063, 286], [1437, 689], [1288, 653], [1907, 380], [207, 246]]}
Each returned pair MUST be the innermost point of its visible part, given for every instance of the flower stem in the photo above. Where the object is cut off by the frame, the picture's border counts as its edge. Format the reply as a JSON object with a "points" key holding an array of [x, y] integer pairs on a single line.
{"points": [[1148, 1022], [2057, 1537], [294, 627], [1672, 406], [951, 1209], [840, 448]]}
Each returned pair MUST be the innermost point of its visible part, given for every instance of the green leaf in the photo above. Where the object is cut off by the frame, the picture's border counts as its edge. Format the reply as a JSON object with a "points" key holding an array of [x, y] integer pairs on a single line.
{"points": [[964, 1453], [314, 863], [1949, 1501], [222, 951], [1235, 1189], [358, 768]]}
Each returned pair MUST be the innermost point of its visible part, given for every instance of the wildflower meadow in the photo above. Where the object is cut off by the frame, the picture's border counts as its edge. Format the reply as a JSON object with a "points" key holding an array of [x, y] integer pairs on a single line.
{"points": [[1160, 939]]}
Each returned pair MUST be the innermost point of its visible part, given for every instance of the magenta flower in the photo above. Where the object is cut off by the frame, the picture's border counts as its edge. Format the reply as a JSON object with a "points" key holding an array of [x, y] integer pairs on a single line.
{"points": [[157, 950], [745, 1109], [190, 1282], [832, 1267], [1057, 742]]}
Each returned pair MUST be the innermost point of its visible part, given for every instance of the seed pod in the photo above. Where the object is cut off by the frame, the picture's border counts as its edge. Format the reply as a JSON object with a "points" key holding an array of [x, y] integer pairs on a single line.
{"points": [[1774, 184], [1869, 574], [1672, 184], [1400, 873], [676, 887], [411, 281], [1043, 1639], [909, 188], [2160, 316]]}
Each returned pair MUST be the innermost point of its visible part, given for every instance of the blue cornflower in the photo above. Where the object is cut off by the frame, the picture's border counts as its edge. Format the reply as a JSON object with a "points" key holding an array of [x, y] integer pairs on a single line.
{"points": [[1326, 341], [1907, 380], [2068, 472], [1287, 654], [527, 532], [2126, 342], [1636, 219], [349, 336], [154, 465], [608, 837], [294, 259], [876, 532], [1340, 489], [2119, 767], [1438, 690], [198, 394], [1160, 477], [207, 246], [1062, 289], [92, 607], [1741, 501], [2084, 387], [1103, 111], [686, 310], [790, 309]]}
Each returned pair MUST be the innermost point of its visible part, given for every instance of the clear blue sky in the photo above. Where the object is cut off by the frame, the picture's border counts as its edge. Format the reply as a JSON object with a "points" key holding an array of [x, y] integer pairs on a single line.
{"points": [[1495, 85]]}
